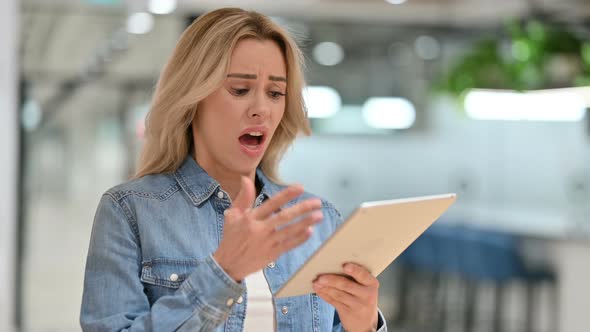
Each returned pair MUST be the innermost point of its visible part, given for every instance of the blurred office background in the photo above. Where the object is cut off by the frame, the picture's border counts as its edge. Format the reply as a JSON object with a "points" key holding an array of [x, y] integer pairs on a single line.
{"points": [[407, 98]]}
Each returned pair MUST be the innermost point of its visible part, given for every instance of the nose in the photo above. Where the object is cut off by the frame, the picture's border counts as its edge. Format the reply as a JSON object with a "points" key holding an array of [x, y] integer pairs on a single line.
{"points": [[260, 106]]}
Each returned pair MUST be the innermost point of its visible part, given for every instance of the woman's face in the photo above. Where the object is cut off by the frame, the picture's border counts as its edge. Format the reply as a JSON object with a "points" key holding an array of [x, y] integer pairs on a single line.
{"points": [[234, 125]]}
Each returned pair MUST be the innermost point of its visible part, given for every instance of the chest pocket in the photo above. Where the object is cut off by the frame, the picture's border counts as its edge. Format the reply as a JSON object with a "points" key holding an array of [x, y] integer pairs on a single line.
{"points": [[164, 276]]}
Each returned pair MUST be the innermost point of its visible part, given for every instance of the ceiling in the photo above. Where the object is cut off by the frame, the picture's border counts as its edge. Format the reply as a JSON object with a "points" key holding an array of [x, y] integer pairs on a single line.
{"points": [[65, 44], [62, 37], [412, 11]]}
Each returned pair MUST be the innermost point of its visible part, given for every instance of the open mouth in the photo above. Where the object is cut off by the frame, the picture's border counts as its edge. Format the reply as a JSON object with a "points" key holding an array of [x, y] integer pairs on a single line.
{"points": [[252, 140]]}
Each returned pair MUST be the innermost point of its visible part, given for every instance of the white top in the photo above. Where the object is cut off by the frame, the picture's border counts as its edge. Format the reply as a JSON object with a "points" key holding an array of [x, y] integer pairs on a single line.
{"points": [[260, 315]]}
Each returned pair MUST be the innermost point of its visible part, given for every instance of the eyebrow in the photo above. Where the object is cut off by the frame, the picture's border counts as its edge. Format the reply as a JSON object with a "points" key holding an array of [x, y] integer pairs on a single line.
{"points": [[253, 77]]}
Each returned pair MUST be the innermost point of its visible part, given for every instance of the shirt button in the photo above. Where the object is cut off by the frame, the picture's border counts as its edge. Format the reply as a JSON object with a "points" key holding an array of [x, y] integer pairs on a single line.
{"points": [[271, 265], [284, 310], [240, 299], [229, 302], [173, 277], [220, 194]]}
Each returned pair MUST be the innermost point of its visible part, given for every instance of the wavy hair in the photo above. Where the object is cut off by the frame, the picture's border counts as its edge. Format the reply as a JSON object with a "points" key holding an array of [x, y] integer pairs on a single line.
{"points": [[197, 68]]}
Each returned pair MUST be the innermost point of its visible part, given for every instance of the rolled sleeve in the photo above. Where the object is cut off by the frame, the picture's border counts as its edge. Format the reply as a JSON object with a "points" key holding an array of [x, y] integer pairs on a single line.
{"points": [[211, 287]]}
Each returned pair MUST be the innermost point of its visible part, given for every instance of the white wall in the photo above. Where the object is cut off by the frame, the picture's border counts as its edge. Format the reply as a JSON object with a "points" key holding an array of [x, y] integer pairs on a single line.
{"points": [[531, 167], [8, 153], [523, 175]]}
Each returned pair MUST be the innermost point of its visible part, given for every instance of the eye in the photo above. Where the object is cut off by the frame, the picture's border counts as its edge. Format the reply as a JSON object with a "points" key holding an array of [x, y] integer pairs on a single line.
{"points": [[239, 92], [276, 94]]}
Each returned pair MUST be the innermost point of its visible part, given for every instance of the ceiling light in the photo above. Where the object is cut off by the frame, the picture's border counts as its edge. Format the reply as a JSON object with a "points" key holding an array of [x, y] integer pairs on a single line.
{"points": [[545, 105], [427, 47], [321, 101], [395, 2], [328, 53], [140, 23], [389, 113], [162, 7]]}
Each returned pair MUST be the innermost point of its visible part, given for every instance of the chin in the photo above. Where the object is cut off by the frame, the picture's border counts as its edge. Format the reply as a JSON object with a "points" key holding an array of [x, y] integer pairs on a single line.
{"points": [[246, 168]]}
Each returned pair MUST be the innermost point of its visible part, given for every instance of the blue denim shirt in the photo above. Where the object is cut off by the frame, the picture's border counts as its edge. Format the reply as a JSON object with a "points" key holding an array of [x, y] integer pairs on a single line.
{"points": [[150, 265]]}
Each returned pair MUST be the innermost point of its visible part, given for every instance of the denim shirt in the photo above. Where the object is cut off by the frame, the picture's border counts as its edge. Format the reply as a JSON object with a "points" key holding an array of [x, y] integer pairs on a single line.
{"points": [[150, 264]]}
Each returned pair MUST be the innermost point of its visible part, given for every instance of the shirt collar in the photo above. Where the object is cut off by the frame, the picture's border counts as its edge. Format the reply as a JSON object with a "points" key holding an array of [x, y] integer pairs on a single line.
{"points": [[199, 186], [269, 188]]}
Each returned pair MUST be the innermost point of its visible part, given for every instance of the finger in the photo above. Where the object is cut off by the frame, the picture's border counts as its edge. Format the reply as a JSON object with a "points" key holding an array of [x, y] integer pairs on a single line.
{"points": [[301, 226], [337, 297], [293, 241], [343, 283], [273, 204], [245, 197], [360, 274], [299, 209], [328, 298]]}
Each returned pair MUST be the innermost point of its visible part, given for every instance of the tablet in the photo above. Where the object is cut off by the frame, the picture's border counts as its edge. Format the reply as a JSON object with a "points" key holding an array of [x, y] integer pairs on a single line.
{"points": [[374, 235]]}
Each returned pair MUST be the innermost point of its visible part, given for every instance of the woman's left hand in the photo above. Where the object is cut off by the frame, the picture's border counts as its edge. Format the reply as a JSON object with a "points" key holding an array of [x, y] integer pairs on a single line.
{"points": [[354, 298]]}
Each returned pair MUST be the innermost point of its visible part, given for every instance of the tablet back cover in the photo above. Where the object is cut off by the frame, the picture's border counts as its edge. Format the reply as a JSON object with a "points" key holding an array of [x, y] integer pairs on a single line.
{"points": [[373, 236]]}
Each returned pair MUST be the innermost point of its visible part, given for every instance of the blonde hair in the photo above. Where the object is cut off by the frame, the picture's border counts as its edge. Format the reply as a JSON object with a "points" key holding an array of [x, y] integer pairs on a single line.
{"points": [[196, 68]]}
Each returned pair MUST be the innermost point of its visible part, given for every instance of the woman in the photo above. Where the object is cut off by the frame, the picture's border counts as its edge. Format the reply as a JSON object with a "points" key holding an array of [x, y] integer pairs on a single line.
{"points": [[204, 234]]}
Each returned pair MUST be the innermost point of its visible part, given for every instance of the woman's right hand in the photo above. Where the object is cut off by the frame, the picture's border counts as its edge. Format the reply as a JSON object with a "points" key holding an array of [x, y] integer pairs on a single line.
{"points": [[252, 238]]}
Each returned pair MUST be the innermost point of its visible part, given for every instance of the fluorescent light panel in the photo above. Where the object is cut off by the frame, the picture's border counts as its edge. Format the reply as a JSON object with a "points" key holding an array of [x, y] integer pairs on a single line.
{"points": [[321, 101], [389, 113], [543, 105], [162, 7], [140, 23], [395, 2]]}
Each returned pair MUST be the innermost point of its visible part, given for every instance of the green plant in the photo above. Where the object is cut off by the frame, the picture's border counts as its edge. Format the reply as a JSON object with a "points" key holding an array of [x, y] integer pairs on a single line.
{"points": [[531, 55]]}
